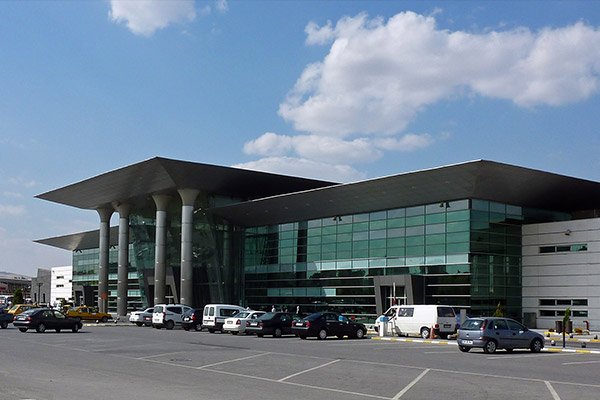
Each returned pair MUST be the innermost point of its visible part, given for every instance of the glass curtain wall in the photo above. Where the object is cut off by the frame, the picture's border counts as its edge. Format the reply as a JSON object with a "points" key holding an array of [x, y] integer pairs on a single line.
{"points": [[466, 253]]}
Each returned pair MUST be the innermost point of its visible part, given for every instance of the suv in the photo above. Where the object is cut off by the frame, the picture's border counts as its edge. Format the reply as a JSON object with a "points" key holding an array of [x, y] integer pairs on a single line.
{"points": [[168, 315], [497, 333]]}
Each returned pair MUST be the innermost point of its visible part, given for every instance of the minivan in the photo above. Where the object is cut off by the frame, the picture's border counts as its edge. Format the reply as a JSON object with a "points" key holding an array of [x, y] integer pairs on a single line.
{"points": [[214, 315], [420, 319], [168, 315]]}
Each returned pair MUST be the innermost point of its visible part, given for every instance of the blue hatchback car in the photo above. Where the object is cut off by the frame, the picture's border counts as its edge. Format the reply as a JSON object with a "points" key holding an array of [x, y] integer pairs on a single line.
{"points": [[497, 333]]}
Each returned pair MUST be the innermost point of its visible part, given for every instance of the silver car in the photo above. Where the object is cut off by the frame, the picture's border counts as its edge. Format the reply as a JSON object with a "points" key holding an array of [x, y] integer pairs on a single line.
{"points": [[493, 333]]}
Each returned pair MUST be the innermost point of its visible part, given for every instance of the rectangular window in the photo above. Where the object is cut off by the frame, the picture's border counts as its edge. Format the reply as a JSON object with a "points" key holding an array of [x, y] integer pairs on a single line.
{"points": [[547, 313]]}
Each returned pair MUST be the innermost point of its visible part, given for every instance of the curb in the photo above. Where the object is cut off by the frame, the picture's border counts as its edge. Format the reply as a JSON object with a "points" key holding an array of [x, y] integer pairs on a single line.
{"points": [[554, 336], [446, 342]]}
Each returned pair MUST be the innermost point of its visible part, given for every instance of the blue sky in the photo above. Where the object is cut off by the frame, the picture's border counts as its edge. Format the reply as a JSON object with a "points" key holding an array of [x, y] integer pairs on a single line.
{"points": [[325, 89]]}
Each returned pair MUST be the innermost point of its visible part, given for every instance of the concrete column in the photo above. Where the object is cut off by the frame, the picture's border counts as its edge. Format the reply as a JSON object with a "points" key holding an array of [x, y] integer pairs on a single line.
{"points": [[103, 245], [188, 196], [123, 260], [160, 250]]}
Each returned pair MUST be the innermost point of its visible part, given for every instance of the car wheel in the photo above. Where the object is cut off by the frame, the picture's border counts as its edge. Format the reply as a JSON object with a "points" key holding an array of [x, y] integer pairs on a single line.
{"points": [[490, 347], [322, 334], [536, 345], [57, 330], [169, 325], [75, 328], [41, 328], [277, 332], [104, 319], [23, 330], [211, 330], [4, 325], [464, 349], [156, 327], [139, 323], [359, 334], [425, 333], [198, 327]]}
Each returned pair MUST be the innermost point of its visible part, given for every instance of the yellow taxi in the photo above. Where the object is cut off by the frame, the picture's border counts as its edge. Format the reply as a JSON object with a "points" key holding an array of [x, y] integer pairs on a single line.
{"points": [[88, 313], [17, 309]]}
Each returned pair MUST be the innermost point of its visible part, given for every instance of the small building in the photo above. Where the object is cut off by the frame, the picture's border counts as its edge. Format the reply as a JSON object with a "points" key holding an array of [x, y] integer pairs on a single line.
{"points": [[61, 285]]}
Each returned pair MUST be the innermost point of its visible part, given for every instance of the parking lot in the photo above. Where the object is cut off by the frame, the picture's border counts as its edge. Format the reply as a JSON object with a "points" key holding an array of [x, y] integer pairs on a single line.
{"points": [[127, 361]]}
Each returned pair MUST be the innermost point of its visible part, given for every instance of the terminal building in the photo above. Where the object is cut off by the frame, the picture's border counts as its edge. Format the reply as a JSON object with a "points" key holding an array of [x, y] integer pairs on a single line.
{"points": [[479, 235]]}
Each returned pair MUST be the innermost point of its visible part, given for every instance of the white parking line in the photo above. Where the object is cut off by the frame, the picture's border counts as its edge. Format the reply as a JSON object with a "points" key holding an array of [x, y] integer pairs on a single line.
{"points": [[230, 361], [532, 355], [440, 352], [581, 362], [407, 387], [552, 391], [307, 370]]}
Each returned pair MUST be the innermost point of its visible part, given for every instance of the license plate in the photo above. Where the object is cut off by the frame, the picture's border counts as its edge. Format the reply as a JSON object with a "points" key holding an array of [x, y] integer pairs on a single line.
{"points": [[467, 342], [253, 323], [447, 326], [299, 324], [229, 322]]}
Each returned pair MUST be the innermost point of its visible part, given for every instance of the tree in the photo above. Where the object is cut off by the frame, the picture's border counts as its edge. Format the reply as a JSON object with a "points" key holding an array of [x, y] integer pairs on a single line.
{"points": [[18, 296]]}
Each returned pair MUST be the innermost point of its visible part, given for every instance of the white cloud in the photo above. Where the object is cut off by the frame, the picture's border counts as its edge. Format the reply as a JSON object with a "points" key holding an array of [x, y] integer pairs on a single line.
{"points": [[379, 74], [222, 6], [409, 142], [304, 168], [11, 210], [144, 17], [269, 144]]}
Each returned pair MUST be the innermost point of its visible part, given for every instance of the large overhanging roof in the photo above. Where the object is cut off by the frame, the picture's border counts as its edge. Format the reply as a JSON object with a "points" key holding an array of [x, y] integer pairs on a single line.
{"points": [[134, 183], [81, 240], [485, 180]]}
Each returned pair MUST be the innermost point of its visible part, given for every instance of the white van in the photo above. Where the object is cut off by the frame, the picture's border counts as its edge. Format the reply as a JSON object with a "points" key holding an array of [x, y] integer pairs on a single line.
{"points": [[214, 315], [168, 315], [420, 319]]}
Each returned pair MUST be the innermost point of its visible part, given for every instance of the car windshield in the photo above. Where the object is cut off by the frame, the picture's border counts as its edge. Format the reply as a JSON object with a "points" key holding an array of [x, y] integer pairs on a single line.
{"points": [[472, 325], [268, 315], [30, 311], [242, 314]]}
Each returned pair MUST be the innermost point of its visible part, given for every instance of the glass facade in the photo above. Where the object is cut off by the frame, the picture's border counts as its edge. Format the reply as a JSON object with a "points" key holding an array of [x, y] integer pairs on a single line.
{"points": [[464, 253]]}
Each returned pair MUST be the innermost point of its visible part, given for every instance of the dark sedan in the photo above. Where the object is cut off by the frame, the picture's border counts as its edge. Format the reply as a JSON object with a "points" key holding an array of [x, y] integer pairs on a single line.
{"points": [[323, 324], [272, 323], [41, 319], [192, 320], [5, 318]]}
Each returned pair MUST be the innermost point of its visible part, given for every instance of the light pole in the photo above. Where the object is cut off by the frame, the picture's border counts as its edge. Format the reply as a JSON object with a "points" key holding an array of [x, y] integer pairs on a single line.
{"points": [[39, 287]]}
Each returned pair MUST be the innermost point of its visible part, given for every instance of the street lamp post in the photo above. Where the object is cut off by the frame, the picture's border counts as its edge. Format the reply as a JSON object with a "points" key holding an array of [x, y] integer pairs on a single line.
{"points": [[39, 287]]}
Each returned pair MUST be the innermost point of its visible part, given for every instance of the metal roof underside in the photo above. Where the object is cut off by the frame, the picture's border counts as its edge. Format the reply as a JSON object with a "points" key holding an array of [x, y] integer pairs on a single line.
{"points": [[81, 240], [485, 180], [135, 183]]}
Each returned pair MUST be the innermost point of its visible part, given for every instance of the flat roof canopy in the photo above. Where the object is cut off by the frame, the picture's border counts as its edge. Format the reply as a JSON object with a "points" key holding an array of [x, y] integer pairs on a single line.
{"points": [[485, 180], [135, 183]]}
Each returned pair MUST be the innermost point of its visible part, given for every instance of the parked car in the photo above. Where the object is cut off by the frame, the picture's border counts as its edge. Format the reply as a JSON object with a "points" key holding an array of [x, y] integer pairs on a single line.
{"points": [[214, 315], [237, 323], [497, 333], [192, 320], [168, 315], [17, 309], [420, 319], [271, 323], [323, 324], [143, 317], [42, 319], [88, 314], [5, 318]]}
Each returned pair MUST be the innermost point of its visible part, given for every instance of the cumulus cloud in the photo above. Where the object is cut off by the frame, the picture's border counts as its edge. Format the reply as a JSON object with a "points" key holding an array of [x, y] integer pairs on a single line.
{"points": [[11, 210], [144, 17], [379, 74], [304, 168]]}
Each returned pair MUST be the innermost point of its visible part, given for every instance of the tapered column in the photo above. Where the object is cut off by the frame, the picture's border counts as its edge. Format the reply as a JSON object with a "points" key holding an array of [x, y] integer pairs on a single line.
{"points": [[123, 260], [188, 196], [160, 250], [103, 246]]}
